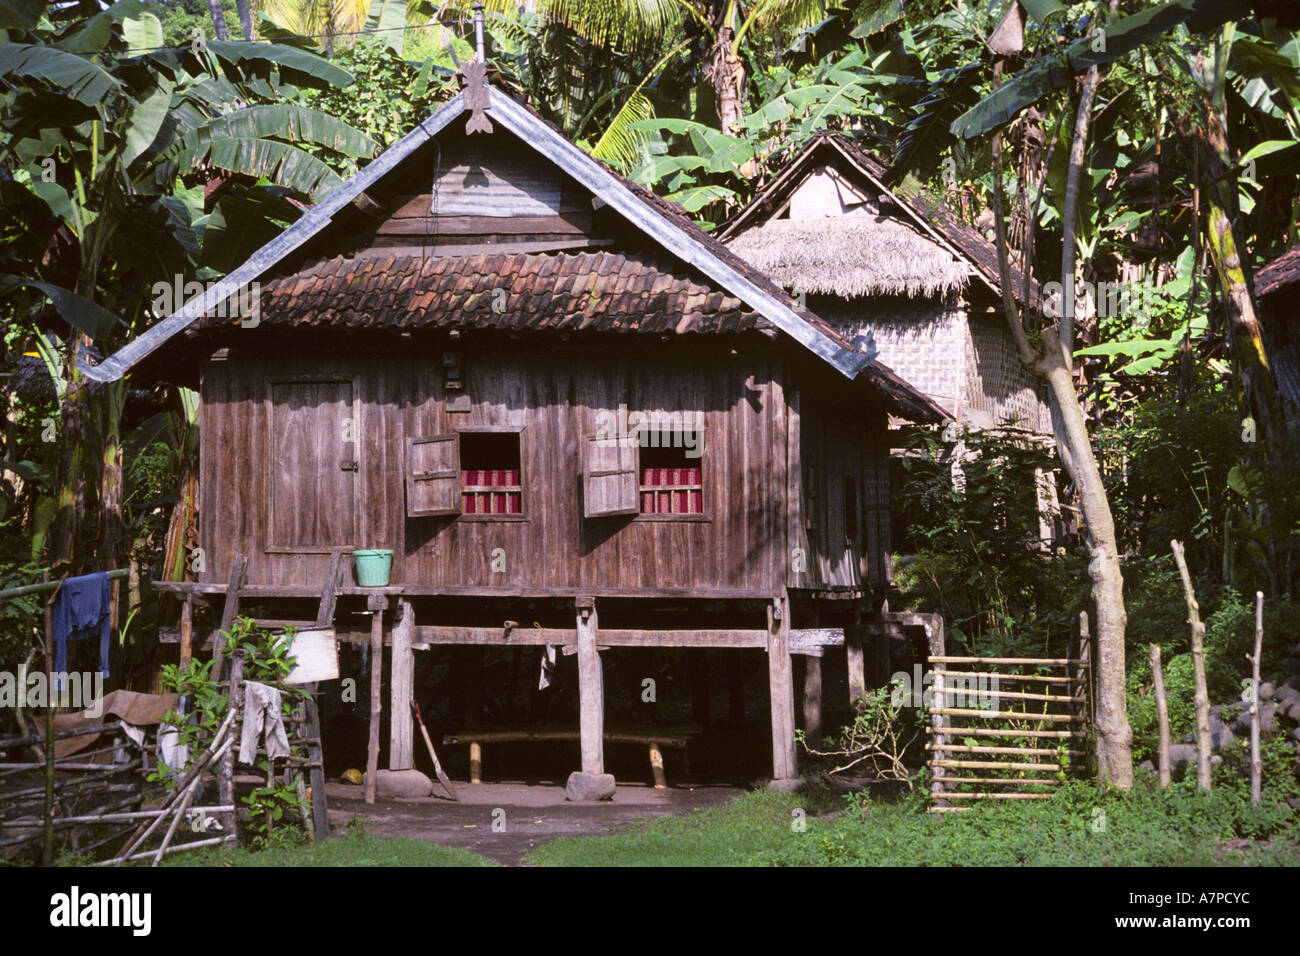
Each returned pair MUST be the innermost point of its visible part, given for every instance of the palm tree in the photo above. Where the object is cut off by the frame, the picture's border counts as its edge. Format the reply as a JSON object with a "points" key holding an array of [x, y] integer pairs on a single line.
{"points": [[719, 30], [218, 19]]}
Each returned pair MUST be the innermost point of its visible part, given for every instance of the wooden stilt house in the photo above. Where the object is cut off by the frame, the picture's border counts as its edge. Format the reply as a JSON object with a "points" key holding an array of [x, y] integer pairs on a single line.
{"points": [[533, 381], [895, 272]]}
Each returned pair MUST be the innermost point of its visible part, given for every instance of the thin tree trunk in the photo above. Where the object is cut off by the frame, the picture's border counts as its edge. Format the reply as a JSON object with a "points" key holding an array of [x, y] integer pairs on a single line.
{"points": [[727, 74], [1162, 716], [1052, 361], [245, 18], [1078, 145], [218, 19], [1256, 764], [1200, 695]]}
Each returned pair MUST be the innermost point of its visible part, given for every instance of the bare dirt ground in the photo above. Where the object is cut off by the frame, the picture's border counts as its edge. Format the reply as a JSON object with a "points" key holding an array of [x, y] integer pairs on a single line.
{"points": [[533, 813]]}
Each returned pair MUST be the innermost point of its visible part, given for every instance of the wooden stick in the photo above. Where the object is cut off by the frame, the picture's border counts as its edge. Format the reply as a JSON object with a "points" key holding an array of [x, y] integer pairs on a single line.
{"points": [[1010, 732], [1028, 751], [998, 796], [1256, 764], [1018, 781], [1004, 715], [1162, 715], [1000, 676], [47, 845], [179, 848], [180, 811], [996, 765], [1200, 695], [437, 766], [376, 688], [188, 780], [104, 817], [1009, 695], [1027, 661]]}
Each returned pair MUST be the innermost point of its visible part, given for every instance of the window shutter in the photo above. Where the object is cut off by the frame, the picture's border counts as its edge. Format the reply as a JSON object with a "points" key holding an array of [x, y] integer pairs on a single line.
{"points": [[433, 476], [609, 480]]}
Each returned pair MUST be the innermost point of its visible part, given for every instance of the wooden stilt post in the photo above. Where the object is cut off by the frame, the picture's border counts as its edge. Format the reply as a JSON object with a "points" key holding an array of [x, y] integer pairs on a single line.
{"points": [[401, 732], [591, 689], [376, 605], [780, 673], [855, 656]]}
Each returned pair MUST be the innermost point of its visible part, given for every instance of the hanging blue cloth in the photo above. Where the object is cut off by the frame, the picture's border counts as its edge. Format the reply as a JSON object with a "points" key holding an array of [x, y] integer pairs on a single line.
{"points": [[80, 613]]}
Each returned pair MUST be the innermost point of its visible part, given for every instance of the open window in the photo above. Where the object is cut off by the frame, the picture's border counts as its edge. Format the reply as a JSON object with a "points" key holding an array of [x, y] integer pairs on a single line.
{"points": [[433, 477], [672, 477], [490, 474], [609, 477]]}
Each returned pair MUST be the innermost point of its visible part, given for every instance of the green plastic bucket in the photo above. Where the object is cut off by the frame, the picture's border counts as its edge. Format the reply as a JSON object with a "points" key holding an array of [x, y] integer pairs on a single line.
{"points": [[373, 567]]}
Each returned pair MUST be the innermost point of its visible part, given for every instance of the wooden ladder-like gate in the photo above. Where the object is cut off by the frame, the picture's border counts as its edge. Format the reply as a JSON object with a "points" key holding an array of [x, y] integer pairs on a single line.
{"points": [[1005, 728], [303, 727]]}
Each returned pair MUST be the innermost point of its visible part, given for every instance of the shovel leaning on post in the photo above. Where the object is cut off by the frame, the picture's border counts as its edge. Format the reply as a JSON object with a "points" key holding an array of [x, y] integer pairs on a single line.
{"points": [[437, 767]]}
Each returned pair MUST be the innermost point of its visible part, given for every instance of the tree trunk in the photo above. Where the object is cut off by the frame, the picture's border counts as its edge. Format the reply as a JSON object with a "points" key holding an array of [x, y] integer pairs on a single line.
{"points": [[727, 74], [1078, 145], [1255, 381], [245, 18], [218, 19], [1114, 736], [1052, 361]]}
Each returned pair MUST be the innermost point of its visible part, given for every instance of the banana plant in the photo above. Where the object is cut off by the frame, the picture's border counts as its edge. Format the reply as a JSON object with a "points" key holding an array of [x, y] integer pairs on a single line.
{"points": [[99, 123]]}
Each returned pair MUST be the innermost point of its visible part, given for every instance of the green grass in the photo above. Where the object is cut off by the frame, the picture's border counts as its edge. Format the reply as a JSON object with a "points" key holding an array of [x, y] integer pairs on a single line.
{"points": [[351, 849], [1080, 827]]}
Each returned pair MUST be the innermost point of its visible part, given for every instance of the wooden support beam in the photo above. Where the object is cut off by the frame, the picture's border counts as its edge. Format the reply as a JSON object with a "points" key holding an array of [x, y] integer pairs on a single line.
{"points": [[780, 673], [591, 691], [855, 657], [401, 688], [376, 604], [427, 635]]}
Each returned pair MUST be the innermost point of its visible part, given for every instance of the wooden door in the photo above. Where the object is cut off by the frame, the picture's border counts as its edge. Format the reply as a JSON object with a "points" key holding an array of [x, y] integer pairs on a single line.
{"points": [[313, 466]]}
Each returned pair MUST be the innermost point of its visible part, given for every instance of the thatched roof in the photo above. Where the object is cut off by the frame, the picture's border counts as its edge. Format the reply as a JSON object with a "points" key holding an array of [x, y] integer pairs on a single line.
{"points": [[930, 217], [852, 255]]}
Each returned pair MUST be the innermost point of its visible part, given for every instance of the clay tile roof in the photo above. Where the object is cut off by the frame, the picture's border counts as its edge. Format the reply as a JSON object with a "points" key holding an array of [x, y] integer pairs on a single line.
{"points": [[604, 291]]}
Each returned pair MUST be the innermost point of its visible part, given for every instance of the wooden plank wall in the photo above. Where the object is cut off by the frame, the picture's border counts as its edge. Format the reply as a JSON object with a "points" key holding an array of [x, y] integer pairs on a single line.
{"points": [[554, 396], [832, 441]]}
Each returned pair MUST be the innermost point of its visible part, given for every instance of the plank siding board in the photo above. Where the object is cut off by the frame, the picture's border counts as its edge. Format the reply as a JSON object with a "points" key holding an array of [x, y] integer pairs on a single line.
{"points": [[554, 398]]}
